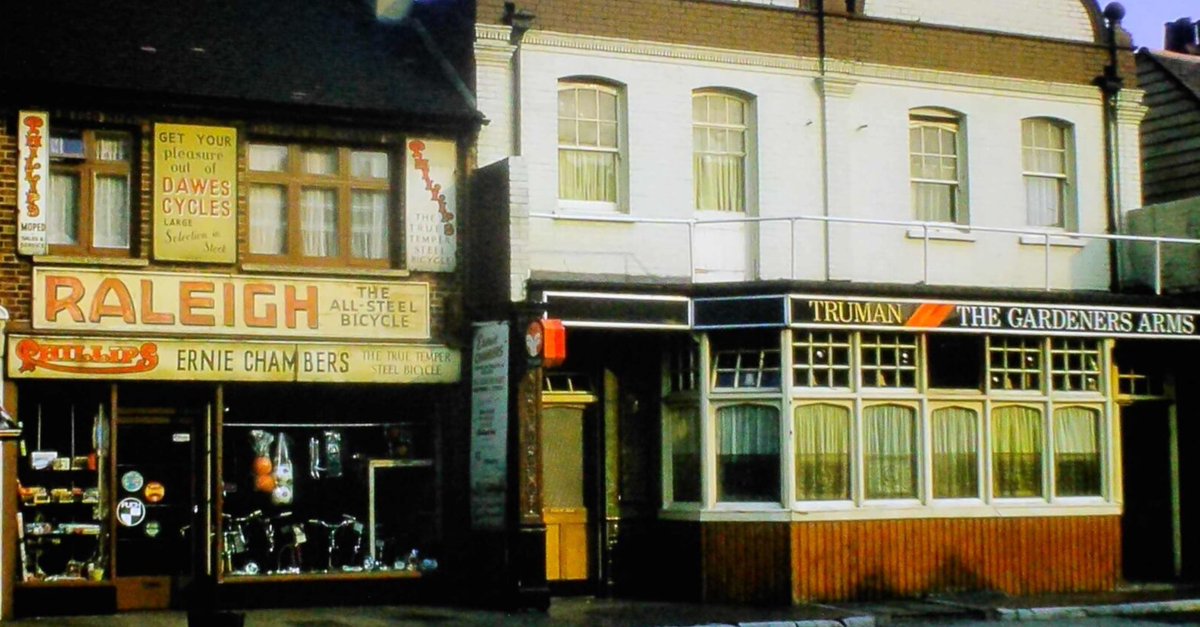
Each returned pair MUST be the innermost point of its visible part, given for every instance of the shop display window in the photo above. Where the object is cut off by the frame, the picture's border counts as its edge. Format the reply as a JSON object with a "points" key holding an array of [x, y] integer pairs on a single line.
{"points": [[685, 453], [748, 453], [323, 481], [63, 520], [822, 452]]}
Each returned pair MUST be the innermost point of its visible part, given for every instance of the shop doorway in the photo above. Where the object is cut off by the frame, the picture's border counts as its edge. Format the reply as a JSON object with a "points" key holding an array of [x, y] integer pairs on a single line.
{"points": [[568, 454], [159, 431], [1150, 524]]}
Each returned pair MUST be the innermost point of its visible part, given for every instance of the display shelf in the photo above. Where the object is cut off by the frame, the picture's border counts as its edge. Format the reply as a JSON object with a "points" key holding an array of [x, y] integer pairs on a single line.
{"points": [[65, 582], [319, 576]]}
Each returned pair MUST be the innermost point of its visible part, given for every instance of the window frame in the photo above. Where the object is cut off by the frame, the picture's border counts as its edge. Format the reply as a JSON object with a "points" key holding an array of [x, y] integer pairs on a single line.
{"points": [[946, 120], [620, 152], [713, 457], [1068, 189], [294, 180], [746, 128], [87, 169]]}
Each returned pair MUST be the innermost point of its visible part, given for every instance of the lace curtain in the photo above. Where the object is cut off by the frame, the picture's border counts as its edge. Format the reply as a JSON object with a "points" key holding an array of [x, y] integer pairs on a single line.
{"points": [[1043, 200], [268, 220], [318, 222], [62, 219], [587, 175], [748, 453], [1017, 451], [369, 225], [955, 453], [720, 182], [110, 211], [890, 451], [822, 453], [1076, 451]]}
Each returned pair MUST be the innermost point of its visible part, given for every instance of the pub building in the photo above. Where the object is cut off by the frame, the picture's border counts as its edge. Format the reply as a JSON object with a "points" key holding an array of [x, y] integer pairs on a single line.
{"points": [[231, 259]]}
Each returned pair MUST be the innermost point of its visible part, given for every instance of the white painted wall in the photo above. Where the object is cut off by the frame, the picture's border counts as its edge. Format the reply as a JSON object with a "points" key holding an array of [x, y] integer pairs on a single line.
{"points": [[1059, 19], [868, 136]]}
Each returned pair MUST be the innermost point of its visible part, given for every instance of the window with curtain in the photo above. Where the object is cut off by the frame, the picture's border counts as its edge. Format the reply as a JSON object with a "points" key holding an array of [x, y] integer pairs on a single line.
{"points": [[890, 451], [935, 166], [1045, 158], [720, 135], [90, 205], [822, 452], [588, 142], [1077, 451], [748, 453], [685, 453], [1017, 451], [955, 453], [319, 205]]}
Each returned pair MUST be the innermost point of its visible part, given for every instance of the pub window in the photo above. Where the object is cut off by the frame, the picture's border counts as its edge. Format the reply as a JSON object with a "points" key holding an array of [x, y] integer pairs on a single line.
{"points": [[685, 453], [1075, 365], [889, 360], [954, 361], [1017, 451], [747, 453], [90, 193], [1015, 363], [1077, 451], [955, 452], [821, 359], [320, 205], [684, 366], [890, 451], [746, 361], [822, 452]]}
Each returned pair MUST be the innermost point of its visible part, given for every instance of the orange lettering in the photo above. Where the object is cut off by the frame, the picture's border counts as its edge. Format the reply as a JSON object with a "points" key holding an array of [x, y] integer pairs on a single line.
{"points": [[230, 310], [70, 304], [291, 305], [149, 316], [123, 307], [250, 293], [189, 301]]}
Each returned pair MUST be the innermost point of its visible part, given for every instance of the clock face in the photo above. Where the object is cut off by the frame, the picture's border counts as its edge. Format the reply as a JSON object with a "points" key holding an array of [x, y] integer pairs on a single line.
{"points": [[533, 339]]}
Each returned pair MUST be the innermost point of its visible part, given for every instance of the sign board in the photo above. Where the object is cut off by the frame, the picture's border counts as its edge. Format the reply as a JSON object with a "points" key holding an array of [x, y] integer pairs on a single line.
{"points": [[999, 318], [195, 193], [33, 181], [131, 512], [489, 425], [431, 205], [84, 300], [223, 360]]}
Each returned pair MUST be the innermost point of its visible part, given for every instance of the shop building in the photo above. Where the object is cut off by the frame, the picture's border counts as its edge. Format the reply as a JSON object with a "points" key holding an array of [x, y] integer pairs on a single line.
{"points": [[231, 262], [849, 313]]}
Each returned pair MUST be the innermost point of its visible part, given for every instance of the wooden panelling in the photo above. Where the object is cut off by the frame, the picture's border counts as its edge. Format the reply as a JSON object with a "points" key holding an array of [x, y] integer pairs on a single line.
{"points": [[887, 558], [745, 562]]}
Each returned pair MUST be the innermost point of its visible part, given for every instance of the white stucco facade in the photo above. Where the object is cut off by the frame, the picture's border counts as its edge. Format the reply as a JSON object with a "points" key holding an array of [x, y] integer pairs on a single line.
{"points": [[831, 145]]}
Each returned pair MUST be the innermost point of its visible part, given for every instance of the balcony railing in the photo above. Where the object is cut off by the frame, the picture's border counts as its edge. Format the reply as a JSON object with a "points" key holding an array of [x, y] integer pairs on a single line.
{"points": [[1134, 251]]}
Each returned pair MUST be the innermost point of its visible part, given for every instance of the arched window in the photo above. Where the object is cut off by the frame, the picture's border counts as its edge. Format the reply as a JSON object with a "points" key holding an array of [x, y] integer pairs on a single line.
{"points": [[720, 139], [588, 142], [1047, 163], [936, 166]]}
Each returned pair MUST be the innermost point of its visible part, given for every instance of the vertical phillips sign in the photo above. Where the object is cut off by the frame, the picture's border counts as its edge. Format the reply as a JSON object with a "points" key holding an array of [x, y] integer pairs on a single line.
{"points": [[33, 178]]}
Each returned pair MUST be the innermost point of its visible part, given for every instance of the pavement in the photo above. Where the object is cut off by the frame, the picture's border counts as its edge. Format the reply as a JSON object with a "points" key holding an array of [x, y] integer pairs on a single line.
{"points": [[1164, 601]]}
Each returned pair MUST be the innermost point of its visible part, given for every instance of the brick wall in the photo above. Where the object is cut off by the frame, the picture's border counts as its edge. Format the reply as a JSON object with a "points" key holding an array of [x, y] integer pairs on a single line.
{"points": [[15, 277]]}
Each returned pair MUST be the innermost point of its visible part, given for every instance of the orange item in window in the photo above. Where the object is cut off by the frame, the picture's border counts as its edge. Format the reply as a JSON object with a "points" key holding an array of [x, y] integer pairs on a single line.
{"points": [[264, 483], [262, 465]]}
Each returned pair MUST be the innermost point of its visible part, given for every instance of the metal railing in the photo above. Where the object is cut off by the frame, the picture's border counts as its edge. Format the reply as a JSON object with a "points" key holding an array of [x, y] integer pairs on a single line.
{"points": [[929, 231]]}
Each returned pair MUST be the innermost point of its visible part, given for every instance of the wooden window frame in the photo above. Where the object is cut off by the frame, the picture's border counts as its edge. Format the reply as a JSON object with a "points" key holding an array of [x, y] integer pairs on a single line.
{"points": [[87, 169], [293, 179]]}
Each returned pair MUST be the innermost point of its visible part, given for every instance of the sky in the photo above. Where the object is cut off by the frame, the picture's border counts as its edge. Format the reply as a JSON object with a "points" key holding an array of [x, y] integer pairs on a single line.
{"points": [[1144, 19]]}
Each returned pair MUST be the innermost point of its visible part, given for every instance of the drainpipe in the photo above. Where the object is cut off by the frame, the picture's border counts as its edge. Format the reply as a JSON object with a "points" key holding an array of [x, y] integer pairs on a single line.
{"points": [[520, 21], [1110, 84]]}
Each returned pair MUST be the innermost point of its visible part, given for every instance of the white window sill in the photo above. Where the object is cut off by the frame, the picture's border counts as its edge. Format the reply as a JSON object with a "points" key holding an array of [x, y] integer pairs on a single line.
{"points": [[1065, 241], [951, 508], [272, 268], [592, 207], [73, 260], [945, 233]]}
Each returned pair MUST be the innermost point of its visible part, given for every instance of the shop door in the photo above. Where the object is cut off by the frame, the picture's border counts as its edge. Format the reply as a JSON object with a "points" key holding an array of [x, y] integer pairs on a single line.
{"points": [[564, 504], [1148, 523], [155, 490]]}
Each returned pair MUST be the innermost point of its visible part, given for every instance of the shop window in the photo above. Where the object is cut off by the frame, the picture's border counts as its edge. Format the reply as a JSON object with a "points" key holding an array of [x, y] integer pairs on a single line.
{"points": [[1075, 365], [890, 451], [1017, 451], [747, 453], [685, 453], [821, 359], [91, 186], [889, 360], [1015, 363], [936, 169], [720, 133], [589, 144], [954, 361], [684, 366], [1077, 451], [822, 452], [955, 453], [746, 361], [320, 205]]}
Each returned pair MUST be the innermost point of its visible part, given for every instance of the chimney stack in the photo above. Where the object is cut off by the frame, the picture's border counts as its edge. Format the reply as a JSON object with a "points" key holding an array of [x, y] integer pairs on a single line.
{"points": [[1181, 37]]}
